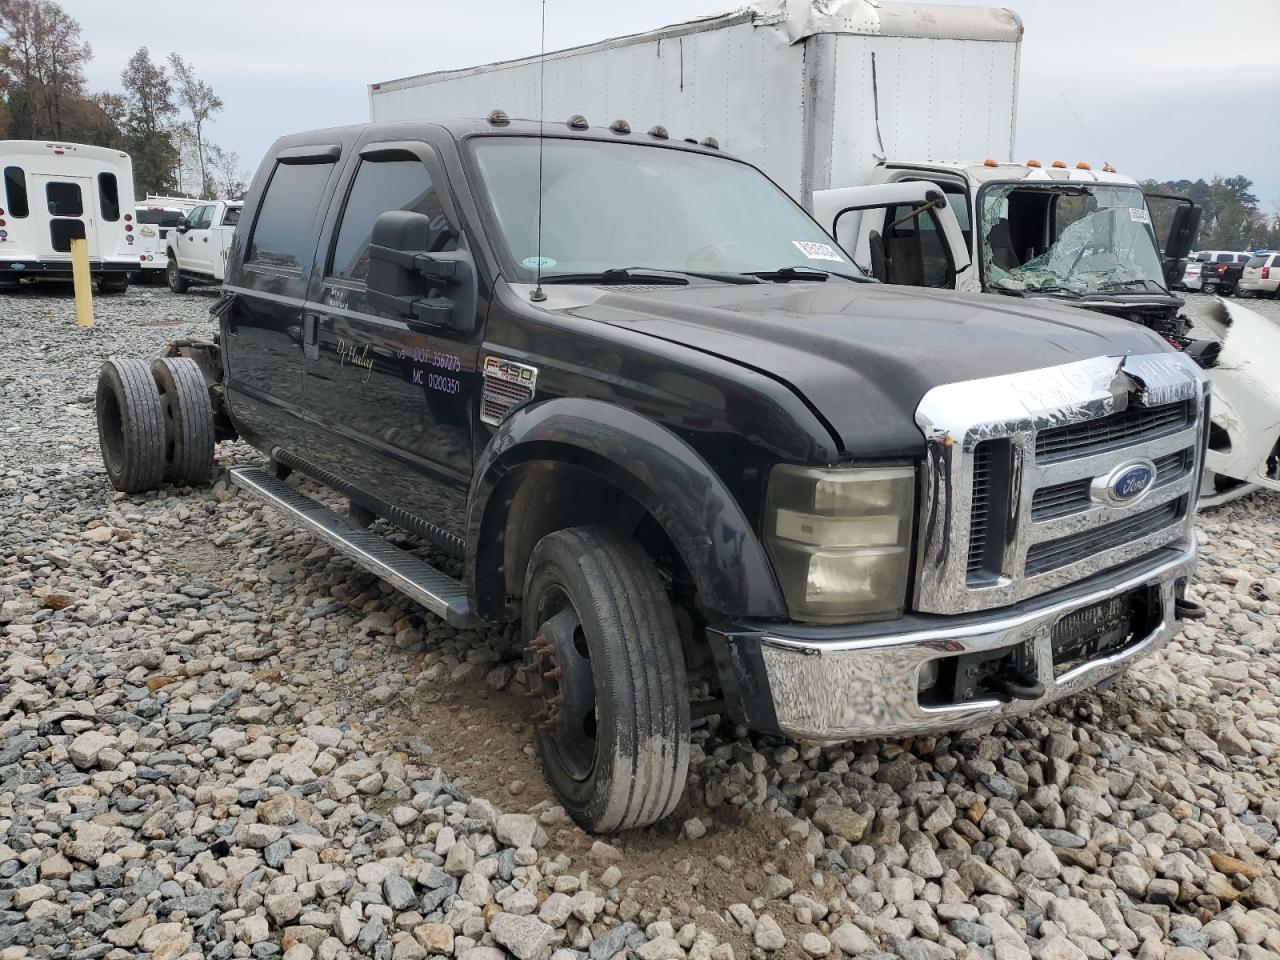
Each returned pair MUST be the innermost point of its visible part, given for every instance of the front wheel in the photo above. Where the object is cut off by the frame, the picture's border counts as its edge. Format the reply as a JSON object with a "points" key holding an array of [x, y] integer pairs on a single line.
{"points": [[1209, 289], [605, 668], [177, 282]]}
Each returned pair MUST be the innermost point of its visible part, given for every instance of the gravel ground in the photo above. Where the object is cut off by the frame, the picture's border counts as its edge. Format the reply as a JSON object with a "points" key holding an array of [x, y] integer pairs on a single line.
{"points": [[218, 739]]}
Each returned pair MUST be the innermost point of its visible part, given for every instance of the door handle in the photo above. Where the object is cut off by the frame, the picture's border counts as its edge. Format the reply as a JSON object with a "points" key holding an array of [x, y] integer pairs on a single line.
{"points": [[311, 336], [205, 239]]}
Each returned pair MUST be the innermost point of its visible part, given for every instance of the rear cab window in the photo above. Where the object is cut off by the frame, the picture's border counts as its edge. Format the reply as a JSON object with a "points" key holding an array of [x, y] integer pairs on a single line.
{"points": [[283, 238], [230, 216]]}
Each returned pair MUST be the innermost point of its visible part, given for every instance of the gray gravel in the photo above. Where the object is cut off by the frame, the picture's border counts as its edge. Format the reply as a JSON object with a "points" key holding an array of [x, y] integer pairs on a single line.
{"points": [[217, 739]]}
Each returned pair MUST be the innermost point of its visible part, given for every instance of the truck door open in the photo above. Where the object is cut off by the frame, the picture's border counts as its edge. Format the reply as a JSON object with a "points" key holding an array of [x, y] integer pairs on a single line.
{"points": [[900, 233], [1176, 222]]}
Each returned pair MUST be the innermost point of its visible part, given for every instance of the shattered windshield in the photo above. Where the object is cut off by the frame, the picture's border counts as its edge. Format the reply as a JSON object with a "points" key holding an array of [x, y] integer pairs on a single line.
{"points": [[1076, 239]]}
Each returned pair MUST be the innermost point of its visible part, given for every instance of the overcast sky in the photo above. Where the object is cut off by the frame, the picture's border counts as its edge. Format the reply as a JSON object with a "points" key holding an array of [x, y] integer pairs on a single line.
{"points": [[1167, 88]]}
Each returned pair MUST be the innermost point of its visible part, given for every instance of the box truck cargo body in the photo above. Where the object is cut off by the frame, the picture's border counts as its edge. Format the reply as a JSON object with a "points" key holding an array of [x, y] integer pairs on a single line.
{"points": [[814, 93]]}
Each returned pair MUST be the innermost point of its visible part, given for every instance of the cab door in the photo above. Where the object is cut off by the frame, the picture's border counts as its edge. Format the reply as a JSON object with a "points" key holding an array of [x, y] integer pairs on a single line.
{"points": [[900, 233], [193, 242], [68, 203], [390, 392]]}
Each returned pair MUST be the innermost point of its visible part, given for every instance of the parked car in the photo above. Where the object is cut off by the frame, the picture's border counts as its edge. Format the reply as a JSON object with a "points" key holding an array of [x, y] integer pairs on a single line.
{"points": [[654, 414], [1220, 270], [1190, 279], [154, 223], [1261, 276], [57, 192], [196, 249]]}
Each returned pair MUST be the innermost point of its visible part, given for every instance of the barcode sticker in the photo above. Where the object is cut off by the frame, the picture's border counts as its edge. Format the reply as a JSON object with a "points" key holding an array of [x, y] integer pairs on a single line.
{"points": [[1139, 215], [818, 251]]}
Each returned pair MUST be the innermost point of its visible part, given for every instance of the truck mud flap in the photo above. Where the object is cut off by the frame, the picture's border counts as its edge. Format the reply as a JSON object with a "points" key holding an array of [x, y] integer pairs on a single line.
{"points": [[435, 590]]}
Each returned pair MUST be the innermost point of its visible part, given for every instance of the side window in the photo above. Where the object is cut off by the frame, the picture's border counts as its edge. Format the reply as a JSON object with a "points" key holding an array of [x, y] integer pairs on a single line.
{"points": [[109, 197], [64, 199], [15, 191], [377, 187], [282, 235], [1224, 258], [915, 249], [230, 216], [204, 217]]}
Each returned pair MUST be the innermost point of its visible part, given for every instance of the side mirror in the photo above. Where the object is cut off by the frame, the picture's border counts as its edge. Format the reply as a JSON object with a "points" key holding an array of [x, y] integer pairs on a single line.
{"points": [[1204, 352], [1182, 231], [182, 226], [407, 281], [879, 260]]}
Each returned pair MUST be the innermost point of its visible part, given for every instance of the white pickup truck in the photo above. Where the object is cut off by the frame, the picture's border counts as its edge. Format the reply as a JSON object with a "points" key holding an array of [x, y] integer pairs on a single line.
{"points": [[197, 247]]}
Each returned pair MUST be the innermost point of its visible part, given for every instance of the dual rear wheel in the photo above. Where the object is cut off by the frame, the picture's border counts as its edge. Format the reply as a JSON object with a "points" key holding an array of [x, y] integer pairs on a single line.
{"points": [[155, 423]]}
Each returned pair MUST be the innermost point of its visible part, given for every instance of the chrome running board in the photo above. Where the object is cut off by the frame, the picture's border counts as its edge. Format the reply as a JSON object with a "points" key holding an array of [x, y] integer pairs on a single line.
{"points": [[434, 589]]}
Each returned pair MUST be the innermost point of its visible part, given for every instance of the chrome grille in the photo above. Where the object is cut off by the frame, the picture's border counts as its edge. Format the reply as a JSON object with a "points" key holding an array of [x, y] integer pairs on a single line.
{"points": [[1131, 426], [1052, 554], [1017, 499], [1064, 499], [980, 515]]}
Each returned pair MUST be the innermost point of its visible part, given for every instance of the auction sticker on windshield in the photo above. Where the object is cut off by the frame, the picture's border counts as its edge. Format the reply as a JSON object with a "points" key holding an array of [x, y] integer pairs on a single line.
{"points": [[818, 251], [1139, 215]]}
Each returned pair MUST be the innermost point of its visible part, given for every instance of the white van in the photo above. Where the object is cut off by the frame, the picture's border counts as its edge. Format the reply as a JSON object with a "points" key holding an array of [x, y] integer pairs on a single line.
{"points": [[56, 192]]}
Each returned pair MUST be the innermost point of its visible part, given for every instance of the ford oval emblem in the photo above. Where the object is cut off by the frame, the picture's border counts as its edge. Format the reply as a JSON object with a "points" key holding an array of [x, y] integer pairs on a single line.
{"points": [[1127, 483]]}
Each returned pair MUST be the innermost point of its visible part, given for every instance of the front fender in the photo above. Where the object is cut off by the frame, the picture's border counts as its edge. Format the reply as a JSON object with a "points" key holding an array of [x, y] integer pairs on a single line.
{"points": [[653, 466]]}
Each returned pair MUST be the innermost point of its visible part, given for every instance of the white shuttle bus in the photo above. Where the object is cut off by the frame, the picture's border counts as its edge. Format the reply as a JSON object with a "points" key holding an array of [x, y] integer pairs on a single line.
{"points": [[56, 192]]}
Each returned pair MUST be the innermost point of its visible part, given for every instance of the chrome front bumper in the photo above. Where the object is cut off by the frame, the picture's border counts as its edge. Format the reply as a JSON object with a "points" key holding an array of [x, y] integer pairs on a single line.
{"points": [[828, 687]]}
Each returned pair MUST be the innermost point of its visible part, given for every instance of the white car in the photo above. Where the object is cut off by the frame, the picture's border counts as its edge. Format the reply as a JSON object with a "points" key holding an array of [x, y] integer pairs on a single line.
{"points": [[154, 223], [1261, 277]]}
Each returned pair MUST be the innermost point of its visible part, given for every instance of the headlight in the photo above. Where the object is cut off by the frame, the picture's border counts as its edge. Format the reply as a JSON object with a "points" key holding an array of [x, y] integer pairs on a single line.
{"points": [[840, 540]]}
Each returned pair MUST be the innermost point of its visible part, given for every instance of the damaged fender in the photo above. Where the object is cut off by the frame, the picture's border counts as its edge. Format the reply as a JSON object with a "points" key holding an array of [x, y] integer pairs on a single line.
{"points": [[1246, 396]]}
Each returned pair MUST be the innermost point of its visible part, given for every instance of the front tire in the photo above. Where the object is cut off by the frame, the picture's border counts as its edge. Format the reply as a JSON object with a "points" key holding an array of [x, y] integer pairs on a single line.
{"points": [[177, 283], [188, 417], [605, 665], [1209, 289], [130, 426]]}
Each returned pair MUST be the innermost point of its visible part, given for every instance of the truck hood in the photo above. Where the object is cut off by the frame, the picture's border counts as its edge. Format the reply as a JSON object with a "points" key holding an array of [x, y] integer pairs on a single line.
{"points": [[862, 355]]}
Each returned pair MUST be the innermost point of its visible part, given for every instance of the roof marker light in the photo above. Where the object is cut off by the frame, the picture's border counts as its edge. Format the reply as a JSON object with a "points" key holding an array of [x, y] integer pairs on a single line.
{"points": [[1059, 165], [499, 118], [1083, 166], [989, 163], [578, 122], [620, 126], [1034, 163]]}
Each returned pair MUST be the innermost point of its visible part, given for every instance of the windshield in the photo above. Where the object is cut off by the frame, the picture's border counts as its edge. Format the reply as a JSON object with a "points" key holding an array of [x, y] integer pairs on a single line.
{"points": [[610, 205], [1081, 239]]}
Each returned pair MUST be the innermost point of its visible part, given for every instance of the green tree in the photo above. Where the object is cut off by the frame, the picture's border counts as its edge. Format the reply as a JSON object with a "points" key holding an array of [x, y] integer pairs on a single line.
{"points": [[150, 109]]}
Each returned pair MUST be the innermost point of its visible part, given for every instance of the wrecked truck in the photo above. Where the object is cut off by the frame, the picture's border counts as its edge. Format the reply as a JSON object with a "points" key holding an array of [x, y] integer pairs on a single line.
{"points": [[623, 391]]}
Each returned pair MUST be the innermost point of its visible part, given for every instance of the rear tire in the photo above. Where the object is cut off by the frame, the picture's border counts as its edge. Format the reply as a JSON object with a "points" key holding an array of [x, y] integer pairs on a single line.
{"points": [[605, 661], [1209, 289], [107, 287], [177, 283], [130, 426], [188, 420]]}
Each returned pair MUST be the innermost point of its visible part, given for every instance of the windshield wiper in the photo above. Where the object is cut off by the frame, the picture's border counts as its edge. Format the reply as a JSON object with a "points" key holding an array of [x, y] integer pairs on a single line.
{"points": [[674, 278], [1119, 284], [785, 274], [1057, 291]]}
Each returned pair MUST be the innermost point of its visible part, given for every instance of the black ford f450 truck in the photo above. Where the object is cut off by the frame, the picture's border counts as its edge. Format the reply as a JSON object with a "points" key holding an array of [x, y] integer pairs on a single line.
{"points": [[667, 425]]}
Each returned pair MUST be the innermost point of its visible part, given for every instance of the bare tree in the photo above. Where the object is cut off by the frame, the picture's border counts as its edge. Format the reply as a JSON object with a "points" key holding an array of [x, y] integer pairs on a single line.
{"points": [[198, 97], [228, 176]]}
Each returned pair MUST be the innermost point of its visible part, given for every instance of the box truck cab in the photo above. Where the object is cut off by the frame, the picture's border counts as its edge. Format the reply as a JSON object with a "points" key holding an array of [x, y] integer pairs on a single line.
{"points": [[1087, 237], [57, 192]]}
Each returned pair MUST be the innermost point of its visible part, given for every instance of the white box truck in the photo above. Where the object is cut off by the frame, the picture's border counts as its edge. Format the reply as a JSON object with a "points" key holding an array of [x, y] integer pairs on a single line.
{"points": [[893, 123], [57, 192]]}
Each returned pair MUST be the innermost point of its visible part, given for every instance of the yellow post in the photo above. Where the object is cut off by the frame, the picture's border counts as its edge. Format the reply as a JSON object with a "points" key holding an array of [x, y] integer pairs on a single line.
{"points": [[82, 281]]}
